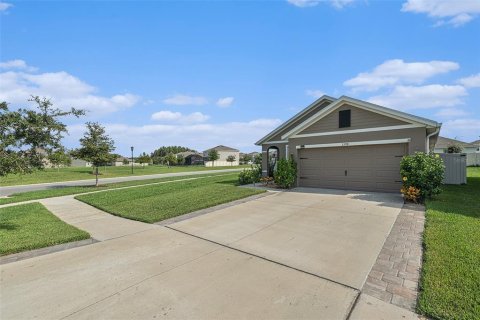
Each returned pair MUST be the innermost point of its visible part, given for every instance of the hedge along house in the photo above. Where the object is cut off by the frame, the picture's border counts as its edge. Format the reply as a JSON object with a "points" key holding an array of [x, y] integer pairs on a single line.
{"points": [[347, 143]]}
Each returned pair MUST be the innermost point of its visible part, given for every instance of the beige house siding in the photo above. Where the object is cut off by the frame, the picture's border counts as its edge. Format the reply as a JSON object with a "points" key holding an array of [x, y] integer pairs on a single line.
{"points": [[360, 119], [222, 160], [417, 136], [278, 136]]}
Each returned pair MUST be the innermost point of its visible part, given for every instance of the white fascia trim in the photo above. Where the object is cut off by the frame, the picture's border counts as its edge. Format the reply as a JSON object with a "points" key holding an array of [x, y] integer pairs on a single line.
{"points": [[278, 141], [363, 105], [298, 115], [354, 143], [332, 133]]}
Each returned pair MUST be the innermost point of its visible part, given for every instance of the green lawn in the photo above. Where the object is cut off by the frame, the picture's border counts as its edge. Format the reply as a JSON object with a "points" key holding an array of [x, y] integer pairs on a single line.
{"points": [[57, 192], [450, 284], [159, 202], [84, 173], [32, 226]]}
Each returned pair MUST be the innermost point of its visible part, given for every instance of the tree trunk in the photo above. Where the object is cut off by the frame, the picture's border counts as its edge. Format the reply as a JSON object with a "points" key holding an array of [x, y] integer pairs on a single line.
{"points": [[96, 176]]}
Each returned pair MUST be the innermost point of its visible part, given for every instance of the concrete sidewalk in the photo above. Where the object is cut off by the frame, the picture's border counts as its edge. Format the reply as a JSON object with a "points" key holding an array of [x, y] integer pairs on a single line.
{"points": [[6, 191], [101, 225]]}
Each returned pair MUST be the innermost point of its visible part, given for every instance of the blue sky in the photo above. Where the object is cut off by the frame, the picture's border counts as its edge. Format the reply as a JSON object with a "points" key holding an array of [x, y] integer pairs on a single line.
{"points": [[201, 73]]}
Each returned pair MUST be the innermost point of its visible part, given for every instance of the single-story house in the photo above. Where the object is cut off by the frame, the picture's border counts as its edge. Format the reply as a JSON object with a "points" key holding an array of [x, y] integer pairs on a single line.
{"points": [[477, 144], [223, 152], [191, 158], [80, 163], [443, 143], [347, 143]]}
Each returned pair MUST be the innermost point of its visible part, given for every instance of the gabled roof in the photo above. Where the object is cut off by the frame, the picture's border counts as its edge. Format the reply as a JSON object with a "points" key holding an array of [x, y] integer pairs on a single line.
{"points": [[364, 105], [295, 117], [476, 142], [222, 148], [444, 142]]}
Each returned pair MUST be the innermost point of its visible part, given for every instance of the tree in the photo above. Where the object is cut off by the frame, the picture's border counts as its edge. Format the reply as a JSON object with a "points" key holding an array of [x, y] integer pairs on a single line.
{"points": [[245, 158], [170, 159], [144, 158], [213, 155], [180, 159], [454, 148], [125, 161], [231, 158], [25, 132], [96, 147], [59, 158], [258, 159], [159, 154]]}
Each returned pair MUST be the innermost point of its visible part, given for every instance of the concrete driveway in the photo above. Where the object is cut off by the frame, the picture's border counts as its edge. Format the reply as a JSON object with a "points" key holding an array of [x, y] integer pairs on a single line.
{"points": [[335, 235], [302, 254]]}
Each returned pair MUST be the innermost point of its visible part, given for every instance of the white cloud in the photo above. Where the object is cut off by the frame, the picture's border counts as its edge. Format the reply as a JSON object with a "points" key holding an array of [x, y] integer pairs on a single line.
{"points": [[17, 64], [64, 89], [453, 12], [464, 129], [450, 112], [182, 99], [339, 4], [4, 6], [396, 71], [472, 81], [201, 136], [166, 115], [170, 116], [225, 102], [422, 97], [314, 93]]}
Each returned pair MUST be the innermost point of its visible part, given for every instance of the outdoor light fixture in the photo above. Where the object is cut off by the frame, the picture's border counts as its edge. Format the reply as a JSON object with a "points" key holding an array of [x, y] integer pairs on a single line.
{"points": [[131, 148]]}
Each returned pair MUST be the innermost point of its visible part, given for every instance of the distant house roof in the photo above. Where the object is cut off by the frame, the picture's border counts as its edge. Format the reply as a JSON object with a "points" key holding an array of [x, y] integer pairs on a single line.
{"points": [[222, 148], [443, 142], [185, 153], [120, 159]]}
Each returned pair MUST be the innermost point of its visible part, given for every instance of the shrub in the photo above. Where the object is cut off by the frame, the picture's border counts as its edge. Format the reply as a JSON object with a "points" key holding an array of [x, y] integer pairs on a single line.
{"points": [[454, 148], [251, 175], [423, 172], [286, 173]]}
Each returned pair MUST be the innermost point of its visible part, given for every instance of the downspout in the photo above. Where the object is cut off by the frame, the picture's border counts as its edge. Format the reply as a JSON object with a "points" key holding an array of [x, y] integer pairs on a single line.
{"points": [[427, 148]]}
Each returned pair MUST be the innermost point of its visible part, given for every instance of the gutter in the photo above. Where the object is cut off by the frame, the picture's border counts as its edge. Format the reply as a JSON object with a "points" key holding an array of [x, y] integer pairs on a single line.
{"points": [[427, 145]]}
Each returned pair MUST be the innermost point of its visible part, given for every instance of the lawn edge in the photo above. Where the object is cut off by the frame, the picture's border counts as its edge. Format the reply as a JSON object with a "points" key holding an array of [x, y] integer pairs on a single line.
{"points": [[201, 212], [23, 255]]}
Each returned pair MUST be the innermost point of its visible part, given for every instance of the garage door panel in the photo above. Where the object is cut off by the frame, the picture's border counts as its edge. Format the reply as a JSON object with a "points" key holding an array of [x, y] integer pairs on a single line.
{"points": [[373, 167], [323, 183]]}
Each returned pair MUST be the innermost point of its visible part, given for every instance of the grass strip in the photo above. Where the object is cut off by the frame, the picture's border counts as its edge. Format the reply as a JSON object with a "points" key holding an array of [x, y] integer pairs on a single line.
{"points": [[159, 202], [450, 283], [31, 226]]}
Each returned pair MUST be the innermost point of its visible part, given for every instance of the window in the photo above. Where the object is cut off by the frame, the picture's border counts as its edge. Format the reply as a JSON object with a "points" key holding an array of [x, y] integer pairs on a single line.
{"points": [[344, 119], [272, 157]]}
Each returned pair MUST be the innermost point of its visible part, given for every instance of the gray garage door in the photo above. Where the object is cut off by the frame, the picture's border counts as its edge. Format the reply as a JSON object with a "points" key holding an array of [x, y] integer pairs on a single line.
{"points": [[370, 168]]}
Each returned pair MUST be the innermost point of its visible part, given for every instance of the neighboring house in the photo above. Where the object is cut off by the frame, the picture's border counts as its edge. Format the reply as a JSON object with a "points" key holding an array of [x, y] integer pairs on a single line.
{"points": [[477, 144], [118, 162], [347, 143], [191, 158], [223, 153], [80, 163], [443, 143]]}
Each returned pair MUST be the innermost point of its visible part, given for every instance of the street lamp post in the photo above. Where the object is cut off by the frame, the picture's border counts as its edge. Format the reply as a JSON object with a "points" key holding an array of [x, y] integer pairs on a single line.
{"points": [[131, 148]]}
